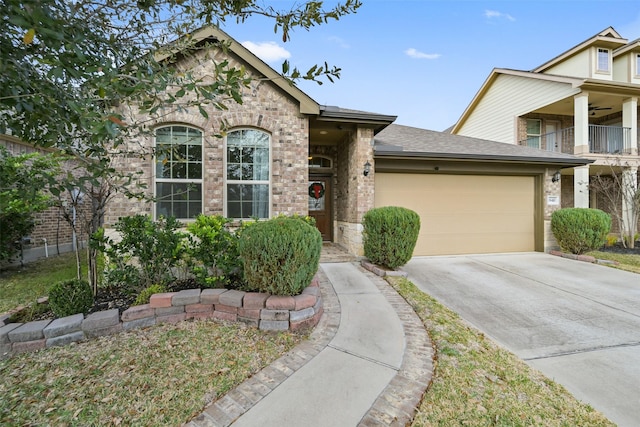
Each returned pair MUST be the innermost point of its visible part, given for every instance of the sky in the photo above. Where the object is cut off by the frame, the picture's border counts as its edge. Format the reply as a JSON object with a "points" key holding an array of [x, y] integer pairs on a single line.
{"points": [[424, 60]]}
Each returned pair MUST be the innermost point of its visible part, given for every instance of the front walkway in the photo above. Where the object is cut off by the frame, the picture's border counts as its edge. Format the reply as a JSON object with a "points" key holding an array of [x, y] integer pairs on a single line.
{"points": [[367, 363]]}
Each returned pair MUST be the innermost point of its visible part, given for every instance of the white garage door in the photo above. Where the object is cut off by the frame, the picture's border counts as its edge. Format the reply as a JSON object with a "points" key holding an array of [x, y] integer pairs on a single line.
{"points": [[464, 213]]}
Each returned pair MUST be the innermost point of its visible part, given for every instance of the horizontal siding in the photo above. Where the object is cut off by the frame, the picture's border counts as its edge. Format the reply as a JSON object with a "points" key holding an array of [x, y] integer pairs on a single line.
{"points": [[494, 118], [576, 66]]}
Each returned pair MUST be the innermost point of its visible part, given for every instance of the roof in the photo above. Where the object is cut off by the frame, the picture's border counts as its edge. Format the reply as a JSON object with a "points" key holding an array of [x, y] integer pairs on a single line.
{"points": [[605, 38], [408, 142], [215, 34]]}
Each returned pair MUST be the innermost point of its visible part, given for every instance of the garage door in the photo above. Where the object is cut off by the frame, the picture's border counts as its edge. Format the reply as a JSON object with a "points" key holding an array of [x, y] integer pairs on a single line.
{"points": [[464, 213]]}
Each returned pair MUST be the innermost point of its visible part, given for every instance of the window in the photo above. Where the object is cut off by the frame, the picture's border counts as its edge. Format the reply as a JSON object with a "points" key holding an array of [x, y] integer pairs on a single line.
{"points": [[178, 172], [534, 129], [319, 162], [248, 173], [603, 60], [637, 64]]}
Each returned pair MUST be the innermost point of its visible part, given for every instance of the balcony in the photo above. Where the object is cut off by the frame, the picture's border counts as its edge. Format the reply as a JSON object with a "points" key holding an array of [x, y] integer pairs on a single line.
{"points": [[602, 140]]}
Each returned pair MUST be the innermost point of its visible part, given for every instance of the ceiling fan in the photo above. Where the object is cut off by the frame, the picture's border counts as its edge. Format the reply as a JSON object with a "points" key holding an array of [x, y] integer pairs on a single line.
{"points": [[594, 108]]}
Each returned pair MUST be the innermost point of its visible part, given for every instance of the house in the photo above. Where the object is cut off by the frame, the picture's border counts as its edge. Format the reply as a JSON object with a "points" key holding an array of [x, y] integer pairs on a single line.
{"points": [[582, 102], [283, 153]]}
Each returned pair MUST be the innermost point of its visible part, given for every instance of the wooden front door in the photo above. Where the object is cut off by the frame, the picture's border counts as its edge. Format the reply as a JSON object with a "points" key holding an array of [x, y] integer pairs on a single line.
{"points": [[320, 205]]}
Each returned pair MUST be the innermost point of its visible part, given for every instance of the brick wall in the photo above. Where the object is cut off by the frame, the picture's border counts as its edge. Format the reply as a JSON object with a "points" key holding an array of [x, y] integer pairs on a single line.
{"points": [[265, 107]]}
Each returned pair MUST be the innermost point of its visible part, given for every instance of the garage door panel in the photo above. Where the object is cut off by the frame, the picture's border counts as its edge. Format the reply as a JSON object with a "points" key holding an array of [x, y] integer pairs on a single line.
{"points": [[464, 213]]}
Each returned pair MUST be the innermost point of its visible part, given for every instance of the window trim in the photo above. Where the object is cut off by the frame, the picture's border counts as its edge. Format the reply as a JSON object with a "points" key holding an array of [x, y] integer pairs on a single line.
{"points": [[637, 64], [608, 52], [235, 181], [157, 179]]}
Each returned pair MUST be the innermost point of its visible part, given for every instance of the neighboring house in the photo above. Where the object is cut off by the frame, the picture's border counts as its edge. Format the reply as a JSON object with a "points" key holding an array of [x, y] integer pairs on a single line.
{"points": [[582, 102]]}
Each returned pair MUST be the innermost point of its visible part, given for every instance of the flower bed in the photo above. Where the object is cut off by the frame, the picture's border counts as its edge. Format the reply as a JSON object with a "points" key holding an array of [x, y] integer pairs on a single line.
{"points": [[260, 310]]}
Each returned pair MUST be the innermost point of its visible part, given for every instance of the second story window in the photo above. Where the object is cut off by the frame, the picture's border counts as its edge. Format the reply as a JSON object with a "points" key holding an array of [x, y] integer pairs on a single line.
{"points": [[534, 130], [637, 64], [603, 60]]}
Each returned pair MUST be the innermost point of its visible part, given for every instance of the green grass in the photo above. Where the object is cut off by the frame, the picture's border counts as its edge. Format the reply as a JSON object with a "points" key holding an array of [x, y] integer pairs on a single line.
{"points": [[625, 262], [23, 285], [477, 383], [164, 375]]}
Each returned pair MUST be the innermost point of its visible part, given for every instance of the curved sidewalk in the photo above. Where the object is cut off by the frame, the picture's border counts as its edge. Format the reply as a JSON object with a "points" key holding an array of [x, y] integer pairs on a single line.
{"points": [[367, 363]]}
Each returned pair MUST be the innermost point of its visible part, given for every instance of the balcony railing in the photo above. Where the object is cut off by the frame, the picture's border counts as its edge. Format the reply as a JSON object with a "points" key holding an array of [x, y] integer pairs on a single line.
{"points": [[602, 140]]}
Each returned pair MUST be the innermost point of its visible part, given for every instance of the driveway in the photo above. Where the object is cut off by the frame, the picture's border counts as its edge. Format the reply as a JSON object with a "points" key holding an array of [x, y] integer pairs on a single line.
{"points": [[578, 323]]}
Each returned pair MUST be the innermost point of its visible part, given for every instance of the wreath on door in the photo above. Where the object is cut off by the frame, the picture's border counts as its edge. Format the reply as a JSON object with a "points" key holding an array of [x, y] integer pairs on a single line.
{"points": [[316, 190]]}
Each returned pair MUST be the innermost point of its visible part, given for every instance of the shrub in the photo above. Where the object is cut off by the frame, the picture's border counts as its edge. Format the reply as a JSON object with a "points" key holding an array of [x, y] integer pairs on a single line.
{"points": [[214, 251], [280, 256], [579, 230], [70, 297], [145, 295], [390, 235], [147, 253], [611, 240]]}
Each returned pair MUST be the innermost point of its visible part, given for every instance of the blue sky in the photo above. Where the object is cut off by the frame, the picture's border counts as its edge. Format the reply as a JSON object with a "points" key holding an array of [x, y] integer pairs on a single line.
{"points": [[424, 60]]}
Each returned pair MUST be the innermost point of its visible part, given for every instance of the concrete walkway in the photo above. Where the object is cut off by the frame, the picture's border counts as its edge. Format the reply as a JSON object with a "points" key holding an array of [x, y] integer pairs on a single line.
{"points": [[367, 363]]}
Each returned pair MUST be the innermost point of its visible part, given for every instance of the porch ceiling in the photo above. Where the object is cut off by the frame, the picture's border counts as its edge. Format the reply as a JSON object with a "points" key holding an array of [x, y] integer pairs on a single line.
{"points": [[565, 107]]}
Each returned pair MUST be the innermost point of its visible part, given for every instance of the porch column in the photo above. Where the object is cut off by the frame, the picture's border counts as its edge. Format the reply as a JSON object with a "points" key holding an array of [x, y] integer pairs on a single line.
{"points": [[630, 120], [581, 187], [581, 123], [629, 189]]}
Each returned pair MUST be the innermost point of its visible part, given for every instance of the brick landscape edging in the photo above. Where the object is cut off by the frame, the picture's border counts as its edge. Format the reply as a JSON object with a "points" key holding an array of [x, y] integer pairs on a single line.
{"points": [[260, 310]]}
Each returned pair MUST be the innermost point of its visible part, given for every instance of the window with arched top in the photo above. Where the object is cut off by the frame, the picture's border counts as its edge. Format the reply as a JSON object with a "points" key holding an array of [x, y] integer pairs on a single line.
{"points": [[248, 172], [178, 160], [316, 161]]}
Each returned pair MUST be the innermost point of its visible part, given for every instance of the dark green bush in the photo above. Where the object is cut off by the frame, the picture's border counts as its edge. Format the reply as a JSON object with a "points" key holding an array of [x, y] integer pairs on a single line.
{"points": [[70, 297], [390, 234], [579, 230], [144, 296], [280, 256]]}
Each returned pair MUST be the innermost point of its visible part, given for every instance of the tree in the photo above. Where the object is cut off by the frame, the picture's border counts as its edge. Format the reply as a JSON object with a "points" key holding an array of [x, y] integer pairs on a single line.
{"points": [[621, 193], [23, 179], [66, 66]]}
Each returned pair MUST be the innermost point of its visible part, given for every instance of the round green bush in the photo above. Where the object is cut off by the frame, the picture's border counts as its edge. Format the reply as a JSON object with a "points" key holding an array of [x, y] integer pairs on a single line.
{"points": [[70, 297], [280, 256], [145, 295], [579, 230], [390, 235]]}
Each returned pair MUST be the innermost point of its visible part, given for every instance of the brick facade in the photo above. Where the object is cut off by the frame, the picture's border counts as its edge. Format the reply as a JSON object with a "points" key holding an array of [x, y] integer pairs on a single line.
{"points": [[265, 107]]}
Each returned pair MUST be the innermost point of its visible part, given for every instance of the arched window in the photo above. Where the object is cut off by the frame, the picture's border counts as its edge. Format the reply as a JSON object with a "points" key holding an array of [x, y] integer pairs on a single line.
{"points": [[178, 172], [317, 161], [248, 174]]}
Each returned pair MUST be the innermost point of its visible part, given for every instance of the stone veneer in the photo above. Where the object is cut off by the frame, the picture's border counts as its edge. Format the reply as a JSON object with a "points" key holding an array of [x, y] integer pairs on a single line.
{"points": [[260, 310]]}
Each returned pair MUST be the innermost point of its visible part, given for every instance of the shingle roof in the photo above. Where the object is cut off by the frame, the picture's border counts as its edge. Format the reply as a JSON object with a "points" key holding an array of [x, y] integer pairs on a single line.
{"points": [[405, 141]]}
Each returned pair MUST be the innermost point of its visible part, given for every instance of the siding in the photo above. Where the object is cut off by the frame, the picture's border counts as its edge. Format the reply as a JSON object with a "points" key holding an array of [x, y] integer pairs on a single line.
{"points": [[509, 97], [577, 66]]}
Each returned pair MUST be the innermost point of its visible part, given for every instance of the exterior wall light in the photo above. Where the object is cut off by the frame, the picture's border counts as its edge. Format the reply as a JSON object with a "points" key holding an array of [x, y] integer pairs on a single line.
{"points": [[367, 168], [555, 177]]}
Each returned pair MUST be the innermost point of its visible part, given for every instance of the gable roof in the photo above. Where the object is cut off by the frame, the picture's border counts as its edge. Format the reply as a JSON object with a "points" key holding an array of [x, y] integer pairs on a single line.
{"points": [[214, 34], [605, 38], [408, 142]]}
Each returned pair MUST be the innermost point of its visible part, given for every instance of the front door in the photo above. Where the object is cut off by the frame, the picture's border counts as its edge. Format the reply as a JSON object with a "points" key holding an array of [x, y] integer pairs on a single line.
{"points": [[320, 205]]}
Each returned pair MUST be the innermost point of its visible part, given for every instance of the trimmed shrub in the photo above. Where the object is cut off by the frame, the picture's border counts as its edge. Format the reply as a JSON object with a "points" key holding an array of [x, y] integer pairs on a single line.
{"points": [[280, 256], [144, 296], [70, 297], [579, 230], [390, 235]]}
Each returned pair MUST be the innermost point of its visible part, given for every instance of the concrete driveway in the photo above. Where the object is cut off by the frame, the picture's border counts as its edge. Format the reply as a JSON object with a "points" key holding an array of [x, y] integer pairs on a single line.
{"points": [[578, 323]]}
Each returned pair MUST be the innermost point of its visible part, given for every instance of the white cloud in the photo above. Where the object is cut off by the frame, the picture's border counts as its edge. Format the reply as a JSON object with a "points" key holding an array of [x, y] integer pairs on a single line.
{"points": [[267, 51], [413, 53], [499, 15]]}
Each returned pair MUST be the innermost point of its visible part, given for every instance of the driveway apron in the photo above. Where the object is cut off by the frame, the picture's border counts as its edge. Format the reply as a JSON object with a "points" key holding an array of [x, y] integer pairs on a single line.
{"points": [[578, 323], [339, 385]]}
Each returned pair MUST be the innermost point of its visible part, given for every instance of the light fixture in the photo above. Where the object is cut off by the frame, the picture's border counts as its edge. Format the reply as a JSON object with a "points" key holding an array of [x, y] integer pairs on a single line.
{"points": [[555, 177], [367, 168]]}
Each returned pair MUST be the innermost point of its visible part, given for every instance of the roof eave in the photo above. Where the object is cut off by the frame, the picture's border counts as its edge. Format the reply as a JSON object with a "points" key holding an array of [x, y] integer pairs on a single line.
{"points": [[563, 163]]}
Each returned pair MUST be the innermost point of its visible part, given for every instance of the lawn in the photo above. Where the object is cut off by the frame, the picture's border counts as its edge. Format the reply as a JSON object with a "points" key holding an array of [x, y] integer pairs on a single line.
{"points": [[626, 262], [23, 285]]}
